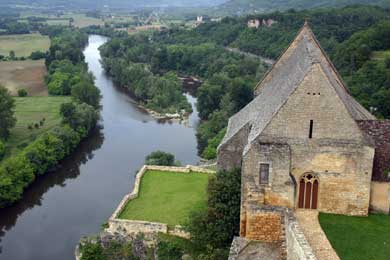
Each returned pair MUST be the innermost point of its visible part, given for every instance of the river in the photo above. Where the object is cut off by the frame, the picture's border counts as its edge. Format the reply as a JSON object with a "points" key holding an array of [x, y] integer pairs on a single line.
{"points": [[62, 206]]}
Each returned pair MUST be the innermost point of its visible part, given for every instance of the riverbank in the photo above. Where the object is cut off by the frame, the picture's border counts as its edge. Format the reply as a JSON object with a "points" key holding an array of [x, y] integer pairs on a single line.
{"points": [[90, 182]]}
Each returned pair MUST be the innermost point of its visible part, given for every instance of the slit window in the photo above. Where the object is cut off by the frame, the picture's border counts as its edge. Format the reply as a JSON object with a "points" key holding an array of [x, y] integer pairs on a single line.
{"points": [[264, 173], [311, 129]]}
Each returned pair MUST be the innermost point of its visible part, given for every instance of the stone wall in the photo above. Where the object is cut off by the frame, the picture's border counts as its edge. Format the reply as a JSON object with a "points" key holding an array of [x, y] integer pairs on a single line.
{"points": [[124, 226], [264, 226], [343, 171], [273, 225], [230, 153], [117, 225], [296, 243], [379, 131], [380, 197]]}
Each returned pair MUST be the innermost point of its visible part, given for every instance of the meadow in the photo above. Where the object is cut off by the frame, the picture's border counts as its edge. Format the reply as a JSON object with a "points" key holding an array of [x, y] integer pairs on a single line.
{"points": [[23, 44], [167, 197], [28, 74], [29, 111]]}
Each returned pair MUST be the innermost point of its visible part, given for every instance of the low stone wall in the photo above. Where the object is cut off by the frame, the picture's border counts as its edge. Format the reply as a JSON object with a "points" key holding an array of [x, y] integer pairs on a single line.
{"points": [[117, 225], [380, 197], [297, 245]]}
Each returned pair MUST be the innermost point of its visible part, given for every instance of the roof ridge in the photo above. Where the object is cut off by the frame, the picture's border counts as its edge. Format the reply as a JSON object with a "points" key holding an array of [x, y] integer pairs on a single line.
{"points": [[280, 56]]}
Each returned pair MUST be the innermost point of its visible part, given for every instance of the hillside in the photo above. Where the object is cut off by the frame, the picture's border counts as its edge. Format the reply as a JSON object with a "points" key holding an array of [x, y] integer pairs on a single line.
{"points": [[113, 4], [239, 7], [350, 35]]}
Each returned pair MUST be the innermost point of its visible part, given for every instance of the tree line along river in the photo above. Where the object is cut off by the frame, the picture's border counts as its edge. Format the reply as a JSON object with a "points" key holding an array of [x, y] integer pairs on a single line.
{"points": [[75, 199]]}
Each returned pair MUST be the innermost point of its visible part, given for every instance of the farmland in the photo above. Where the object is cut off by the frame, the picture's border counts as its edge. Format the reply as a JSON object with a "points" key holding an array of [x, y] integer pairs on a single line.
{"points": [[30, 111], [27, 74], [23, 44]]}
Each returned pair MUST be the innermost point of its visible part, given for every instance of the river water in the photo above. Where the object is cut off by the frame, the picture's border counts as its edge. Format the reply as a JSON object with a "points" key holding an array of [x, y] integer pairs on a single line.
{"points": [[73, 201]]}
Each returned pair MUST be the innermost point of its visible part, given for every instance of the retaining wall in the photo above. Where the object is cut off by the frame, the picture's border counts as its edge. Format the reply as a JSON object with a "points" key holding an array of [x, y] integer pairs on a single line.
{"points": [[296, 243], [117, 225]]}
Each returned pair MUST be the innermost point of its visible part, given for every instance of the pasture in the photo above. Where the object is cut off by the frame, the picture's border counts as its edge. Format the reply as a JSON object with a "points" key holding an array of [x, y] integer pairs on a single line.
{"points": [[26, 74], [30, 111], [23, 44]]}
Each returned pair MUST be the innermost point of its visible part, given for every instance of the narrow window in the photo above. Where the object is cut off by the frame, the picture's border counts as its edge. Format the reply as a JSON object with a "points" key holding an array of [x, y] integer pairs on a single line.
{"points": [[264, 173], [311, 129]]}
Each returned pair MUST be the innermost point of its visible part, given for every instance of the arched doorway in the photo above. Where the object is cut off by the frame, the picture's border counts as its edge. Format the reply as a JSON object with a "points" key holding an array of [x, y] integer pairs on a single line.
{"points": [[308, 191]]}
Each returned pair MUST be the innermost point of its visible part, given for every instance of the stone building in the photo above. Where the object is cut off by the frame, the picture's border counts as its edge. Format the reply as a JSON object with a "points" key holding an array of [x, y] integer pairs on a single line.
{"points": [[303, 142]]}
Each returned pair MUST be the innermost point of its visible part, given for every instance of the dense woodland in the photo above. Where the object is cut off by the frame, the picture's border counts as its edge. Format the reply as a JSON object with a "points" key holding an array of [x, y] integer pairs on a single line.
{"points": [[354, 37]]}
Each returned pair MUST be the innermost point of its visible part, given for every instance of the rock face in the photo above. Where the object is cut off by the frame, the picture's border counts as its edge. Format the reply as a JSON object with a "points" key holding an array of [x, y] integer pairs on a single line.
{"points": [[299, 143]]}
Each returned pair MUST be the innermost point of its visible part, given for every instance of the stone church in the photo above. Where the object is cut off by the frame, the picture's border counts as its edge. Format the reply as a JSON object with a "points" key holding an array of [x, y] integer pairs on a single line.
{"points": [[304, 142]]}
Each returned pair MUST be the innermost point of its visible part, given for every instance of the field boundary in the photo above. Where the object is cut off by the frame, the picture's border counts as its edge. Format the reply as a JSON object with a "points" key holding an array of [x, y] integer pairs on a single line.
{"points": [[115, 224]]}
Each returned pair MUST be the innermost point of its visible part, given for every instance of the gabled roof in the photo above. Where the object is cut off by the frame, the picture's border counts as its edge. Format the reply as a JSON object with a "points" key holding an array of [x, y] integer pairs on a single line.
{"points": [[283, 78]]}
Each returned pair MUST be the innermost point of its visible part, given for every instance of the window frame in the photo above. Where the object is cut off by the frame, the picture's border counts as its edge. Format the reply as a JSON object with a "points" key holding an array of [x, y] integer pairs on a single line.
{"points": [[268, 174]]}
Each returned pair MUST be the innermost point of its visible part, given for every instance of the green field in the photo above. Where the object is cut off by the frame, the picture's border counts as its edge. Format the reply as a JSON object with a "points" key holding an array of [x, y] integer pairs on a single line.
{"points": [[380, 55], [23, 44], [30, 110], [167, 197], [81, 20], [358, 238]]}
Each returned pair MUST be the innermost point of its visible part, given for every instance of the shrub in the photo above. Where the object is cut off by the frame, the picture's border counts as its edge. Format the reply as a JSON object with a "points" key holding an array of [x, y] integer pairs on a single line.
{"points": [[2, 150], [22, 92], [212, 229], [36, 55], [92, 251], [169, 250], [160, 158]]}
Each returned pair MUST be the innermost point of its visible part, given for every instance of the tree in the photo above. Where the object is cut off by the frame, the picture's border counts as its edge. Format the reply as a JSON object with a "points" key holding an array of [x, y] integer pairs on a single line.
{"points": [[160, 158], [213, 228], [12, 55], [7, 119], [86, 92]]}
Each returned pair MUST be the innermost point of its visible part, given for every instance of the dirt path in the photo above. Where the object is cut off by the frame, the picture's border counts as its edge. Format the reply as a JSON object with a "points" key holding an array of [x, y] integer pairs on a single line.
{"points": [[267, 61], [308, 221]]}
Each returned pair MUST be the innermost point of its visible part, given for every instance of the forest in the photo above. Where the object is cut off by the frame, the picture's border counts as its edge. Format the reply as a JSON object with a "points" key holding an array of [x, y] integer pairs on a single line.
{"points": [[349, 35]]}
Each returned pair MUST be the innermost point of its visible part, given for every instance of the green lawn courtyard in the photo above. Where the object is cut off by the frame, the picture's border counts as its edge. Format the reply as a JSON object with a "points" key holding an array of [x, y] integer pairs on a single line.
{"points": [[167, 197], [358, 238]]}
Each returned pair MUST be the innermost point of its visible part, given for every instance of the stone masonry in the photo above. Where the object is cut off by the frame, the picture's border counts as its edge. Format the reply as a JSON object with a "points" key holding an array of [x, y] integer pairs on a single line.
{"points": [[303, 142]]}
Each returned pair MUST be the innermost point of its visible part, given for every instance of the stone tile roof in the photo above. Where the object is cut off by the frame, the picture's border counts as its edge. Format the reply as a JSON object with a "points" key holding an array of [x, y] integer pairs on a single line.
{"points": [[281, 81], [379, 131]]}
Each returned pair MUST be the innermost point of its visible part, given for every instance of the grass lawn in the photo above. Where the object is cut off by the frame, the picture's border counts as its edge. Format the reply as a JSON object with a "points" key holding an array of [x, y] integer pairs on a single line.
{"points": [[356, 238], [23, 44], [167, 197], [28, 74], [30, 110]]}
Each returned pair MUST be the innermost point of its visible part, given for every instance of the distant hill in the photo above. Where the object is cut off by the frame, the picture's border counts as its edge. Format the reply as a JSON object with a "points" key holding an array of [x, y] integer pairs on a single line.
{"points": [[115, 4], [260, 6]]}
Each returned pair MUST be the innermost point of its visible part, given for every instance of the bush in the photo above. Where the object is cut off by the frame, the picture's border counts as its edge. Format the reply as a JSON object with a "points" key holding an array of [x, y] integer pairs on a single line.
{"points": [[160, 158], [169, 250], [37, 55], [22, 92], [212, 229], [2, 150]]}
